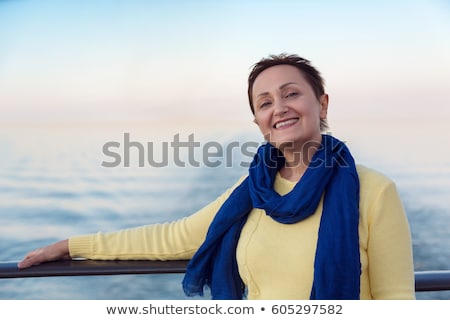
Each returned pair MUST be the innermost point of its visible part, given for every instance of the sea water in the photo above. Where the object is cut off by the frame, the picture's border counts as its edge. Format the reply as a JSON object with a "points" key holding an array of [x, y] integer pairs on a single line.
{"points": [[55, 182]]}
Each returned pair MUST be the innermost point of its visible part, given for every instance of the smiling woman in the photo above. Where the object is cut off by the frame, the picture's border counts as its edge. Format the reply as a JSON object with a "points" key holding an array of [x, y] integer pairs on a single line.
{"points": [[319, 224]]}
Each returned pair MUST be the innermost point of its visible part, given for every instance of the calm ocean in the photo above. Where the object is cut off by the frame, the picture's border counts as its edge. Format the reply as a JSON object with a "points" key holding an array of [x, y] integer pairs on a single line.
{"points": [[53, 185]]}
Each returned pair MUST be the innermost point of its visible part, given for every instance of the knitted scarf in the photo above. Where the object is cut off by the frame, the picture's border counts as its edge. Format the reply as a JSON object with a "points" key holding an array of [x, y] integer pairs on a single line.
{"points": [[337, 266]]}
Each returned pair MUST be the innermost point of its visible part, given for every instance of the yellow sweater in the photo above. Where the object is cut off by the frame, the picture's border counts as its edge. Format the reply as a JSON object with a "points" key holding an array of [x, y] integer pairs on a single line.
{"points": [[276, 260]]}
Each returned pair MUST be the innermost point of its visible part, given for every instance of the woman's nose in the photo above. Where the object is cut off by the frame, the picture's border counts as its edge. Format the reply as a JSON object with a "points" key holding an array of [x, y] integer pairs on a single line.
{"points": [[279, 108]]}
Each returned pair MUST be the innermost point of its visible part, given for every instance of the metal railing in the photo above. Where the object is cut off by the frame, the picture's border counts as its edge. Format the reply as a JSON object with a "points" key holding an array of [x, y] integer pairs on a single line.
{"points": [[437, 280]]}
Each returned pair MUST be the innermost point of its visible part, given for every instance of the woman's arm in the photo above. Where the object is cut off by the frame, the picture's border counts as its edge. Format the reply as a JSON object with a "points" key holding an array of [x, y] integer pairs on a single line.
{"points": [[167, 241], [391, 268]]}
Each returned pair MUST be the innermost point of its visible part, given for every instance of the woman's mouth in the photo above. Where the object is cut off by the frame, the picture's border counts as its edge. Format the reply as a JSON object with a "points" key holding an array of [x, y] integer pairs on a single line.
{"points": [[285, 123]]}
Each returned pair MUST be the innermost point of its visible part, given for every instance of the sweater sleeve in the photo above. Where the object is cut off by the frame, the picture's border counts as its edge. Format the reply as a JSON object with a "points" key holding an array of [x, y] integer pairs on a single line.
{"points": [[391, 270], [166, 241]]}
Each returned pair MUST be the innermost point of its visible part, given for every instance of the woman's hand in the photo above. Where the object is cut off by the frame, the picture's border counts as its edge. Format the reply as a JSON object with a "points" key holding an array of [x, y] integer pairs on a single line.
{"points": [[53, 252]]}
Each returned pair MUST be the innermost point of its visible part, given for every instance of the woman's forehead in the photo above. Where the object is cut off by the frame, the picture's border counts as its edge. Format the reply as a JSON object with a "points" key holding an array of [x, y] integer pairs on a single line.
{"points": [[277, 76]]}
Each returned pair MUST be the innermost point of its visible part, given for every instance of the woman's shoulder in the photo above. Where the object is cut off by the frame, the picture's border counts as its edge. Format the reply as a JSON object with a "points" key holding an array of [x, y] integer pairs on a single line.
{"points": [[371, 178]]}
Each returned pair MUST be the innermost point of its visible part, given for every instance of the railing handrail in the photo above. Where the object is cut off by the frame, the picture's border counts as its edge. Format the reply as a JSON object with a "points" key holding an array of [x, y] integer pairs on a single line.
{"points": [[92, 268], [435, 280]]}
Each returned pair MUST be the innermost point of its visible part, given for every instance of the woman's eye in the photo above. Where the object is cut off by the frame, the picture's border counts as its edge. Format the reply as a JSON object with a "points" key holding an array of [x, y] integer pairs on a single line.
{"points": [[291, 94], [264, 104]]}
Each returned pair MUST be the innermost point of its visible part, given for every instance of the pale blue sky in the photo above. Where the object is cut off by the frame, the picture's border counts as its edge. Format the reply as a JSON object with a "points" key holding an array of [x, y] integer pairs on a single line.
{"points": [[188, 60]]}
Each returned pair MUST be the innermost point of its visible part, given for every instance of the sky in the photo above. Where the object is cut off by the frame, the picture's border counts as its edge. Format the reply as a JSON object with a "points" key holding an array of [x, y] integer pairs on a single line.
{"points": [[107, 61]]}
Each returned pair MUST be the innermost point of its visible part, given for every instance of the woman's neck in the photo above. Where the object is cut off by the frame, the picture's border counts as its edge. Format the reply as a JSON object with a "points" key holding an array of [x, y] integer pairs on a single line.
{"points": [[298, 158]]}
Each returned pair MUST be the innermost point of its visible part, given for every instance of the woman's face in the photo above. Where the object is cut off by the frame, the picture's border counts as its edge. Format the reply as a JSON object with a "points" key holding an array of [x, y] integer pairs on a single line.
{"points": [[287, 111]]}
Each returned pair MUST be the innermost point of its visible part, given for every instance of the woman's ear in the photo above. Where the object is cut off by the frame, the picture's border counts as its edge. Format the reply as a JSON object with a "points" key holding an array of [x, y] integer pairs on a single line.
{"points": [[324, 106]]}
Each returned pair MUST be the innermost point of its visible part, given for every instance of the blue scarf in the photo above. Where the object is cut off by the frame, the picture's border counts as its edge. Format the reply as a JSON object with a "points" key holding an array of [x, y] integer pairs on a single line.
{"points": [[337, 266]]}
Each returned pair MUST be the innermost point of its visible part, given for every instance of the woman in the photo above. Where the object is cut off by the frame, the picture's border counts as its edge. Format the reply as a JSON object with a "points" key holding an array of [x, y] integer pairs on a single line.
{"points": [[306, 222]]}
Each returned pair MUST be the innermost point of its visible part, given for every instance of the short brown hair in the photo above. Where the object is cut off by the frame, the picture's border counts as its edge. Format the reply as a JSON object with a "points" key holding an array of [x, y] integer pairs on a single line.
{"points": [[311, 74]]}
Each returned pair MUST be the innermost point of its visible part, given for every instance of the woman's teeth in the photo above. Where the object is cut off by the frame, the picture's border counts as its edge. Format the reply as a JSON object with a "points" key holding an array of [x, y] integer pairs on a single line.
{"points": [[285, 123]]}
